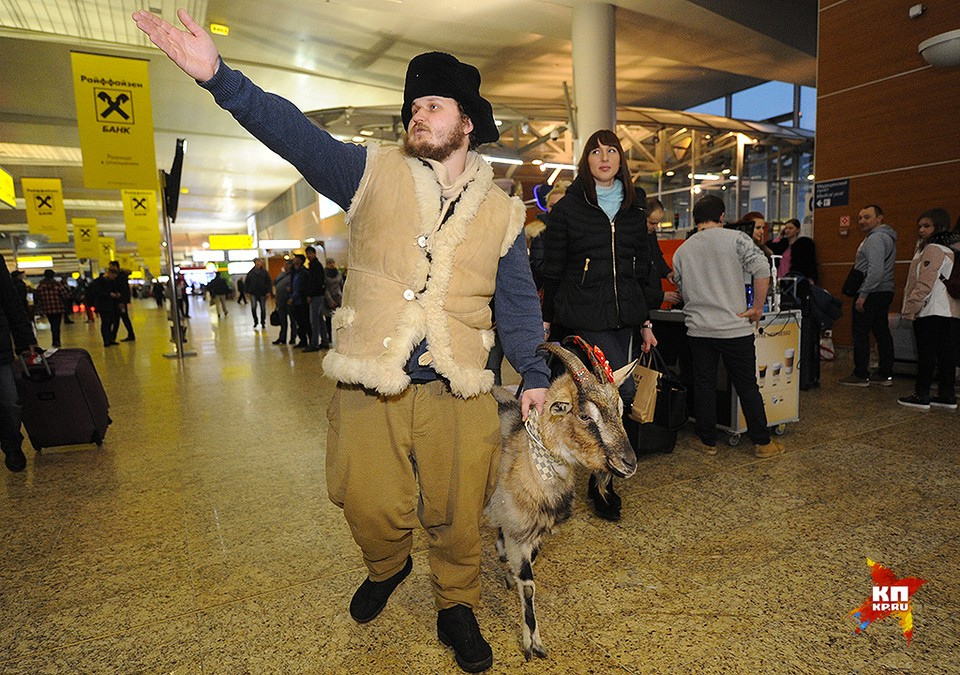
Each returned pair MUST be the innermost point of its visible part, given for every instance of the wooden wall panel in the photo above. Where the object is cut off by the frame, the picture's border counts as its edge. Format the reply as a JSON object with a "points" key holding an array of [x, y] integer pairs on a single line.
{"points": [[881, 109], [866, 40], [907, 121]]}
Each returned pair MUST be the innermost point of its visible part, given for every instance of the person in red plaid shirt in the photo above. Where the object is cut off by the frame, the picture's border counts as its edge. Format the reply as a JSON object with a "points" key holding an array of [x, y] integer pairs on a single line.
{"points": [[49, 298]]}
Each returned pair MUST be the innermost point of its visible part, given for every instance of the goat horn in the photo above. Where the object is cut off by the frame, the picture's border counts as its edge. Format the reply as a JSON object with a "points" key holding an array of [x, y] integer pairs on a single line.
{"points": [[598, 360], [578, 371]]}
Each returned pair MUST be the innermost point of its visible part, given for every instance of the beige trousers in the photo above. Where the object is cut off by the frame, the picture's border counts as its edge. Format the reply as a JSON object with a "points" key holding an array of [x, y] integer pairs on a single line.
{"points": [[424, 457]]}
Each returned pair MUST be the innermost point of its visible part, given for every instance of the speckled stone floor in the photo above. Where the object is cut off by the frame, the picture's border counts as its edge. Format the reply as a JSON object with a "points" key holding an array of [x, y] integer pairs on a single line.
{"points": [[199, 538]]}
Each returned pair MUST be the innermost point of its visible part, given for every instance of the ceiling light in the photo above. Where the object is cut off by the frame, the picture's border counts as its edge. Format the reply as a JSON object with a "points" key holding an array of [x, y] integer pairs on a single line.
{"points": [[209, 256], [669, 173], [366, 132], [34, 262], [810, 176], [503, 160], [30, 244], [358, 139], [553, 165], [725, 172], [243, 254], [279, 244], [553, 176], [206, 244], [943, 50]]}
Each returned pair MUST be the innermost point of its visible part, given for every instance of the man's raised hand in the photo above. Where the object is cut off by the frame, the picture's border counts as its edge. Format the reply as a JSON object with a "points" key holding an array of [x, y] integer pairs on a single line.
{"points": [[192, 49]]}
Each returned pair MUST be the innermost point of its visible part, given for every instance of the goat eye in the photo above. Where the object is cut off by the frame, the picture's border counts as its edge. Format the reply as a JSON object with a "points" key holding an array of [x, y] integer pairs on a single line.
{"points": [[583, 417]]}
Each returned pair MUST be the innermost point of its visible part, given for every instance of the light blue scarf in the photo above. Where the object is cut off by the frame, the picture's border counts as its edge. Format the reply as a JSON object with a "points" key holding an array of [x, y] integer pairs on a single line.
{"points": [[609, 199]]}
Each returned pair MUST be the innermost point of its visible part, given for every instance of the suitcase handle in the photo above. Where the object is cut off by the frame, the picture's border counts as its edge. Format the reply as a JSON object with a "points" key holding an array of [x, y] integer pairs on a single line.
{"points": [[38, 369]]}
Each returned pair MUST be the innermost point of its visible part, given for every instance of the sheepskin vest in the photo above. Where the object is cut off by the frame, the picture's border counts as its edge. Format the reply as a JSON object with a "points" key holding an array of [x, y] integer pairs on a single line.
{"points": [[410, 279]]}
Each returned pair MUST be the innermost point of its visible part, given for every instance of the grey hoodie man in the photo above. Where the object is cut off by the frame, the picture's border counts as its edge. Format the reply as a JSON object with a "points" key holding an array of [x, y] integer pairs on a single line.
{"points": [[875, 258]]}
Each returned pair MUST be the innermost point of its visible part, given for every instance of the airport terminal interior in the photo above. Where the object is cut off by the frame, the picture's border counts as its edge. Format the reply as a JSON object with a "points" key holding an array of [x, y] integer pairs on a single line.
{"points": [[200, 538]]}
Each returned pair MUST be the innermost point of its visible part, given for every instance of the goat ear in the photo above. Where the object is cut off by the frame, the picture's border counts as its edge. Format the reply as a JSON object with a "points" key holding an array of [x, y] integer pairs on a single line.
{"points": [[621, 374], [560, 407]]}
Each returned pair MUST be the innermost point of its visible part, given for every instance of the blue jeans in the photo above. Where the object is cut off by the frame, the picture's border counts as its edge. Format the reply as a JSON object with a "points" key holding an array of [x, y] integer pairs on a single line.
{"points": [[10, 409], [261, 301]]}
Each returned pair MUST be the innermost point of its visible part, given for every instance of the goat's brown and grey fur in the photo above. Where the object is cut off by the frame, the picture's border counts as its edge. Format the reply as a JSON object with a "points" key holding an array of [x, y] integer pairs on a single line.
{"points": [[581, 424]]}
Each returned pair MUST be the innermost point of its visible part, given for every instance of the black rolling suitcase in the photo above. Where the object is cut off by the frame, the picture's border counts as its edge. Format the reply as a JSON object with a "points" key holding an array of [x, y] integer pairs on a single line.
{"points": [[63, 400]]}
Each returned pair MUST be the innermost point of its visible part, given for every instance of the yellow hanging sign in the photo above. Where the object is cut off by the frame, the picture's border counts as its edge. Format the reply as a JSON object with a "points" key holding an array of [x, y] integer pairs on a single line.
{"points": [[44, 204], [152, 263], [115, 121], [108, 250], [140, 214], [8, 194], [148, 246], [127, 262], [230, 241], [86, 238]]}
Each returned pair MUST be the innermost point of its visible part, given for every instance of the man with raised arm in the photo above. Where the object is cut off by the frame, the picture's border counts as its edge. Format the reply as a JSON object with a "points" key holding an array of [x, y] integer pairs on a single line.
{"points": [[413, 432]]}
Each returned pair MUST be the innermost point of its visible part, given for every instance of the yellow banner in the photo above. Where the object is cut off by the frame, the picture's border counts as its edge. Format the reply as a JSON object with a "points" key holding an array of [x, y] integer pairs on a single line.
{"points": [[85, 238], [229, 241], [152, 264], [140, 214], [44, 203], [108, 250], [8, 194], [115, 121], [127, 262], [149, 247]]}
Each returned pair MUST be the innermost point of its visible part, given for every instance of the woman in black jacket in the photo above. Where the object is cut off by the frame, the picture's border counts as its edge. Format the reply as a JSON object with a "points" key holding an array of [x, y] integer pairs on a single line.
{"points": [[596, 260]]}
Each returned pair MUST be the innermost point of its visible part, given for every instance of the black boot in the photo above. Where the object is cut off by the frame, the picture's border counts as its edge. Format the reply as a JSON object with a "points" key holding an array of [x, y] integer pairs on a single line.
{"points": [[14, 459], [608, 506], [457, 627], [372, 596]]}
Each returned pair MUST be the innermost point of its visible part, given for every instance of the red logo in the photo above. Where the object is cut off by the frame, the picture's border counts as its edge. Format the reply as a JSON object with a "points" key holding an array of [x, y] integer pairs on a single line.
{"points": [[890, 597]]}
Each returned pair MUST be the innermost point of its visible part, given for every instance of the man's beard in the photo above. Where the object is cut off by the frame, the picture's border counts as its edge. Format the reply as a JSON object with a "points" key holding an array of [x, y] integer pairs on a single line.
{"points": [[439, 151]]}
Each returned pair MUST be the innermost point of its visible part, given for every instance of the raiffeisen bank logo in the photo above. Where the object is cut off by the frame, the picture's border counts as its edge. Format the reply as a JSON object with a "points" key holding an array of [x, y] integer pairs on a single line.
{"points": [[890, 597]]}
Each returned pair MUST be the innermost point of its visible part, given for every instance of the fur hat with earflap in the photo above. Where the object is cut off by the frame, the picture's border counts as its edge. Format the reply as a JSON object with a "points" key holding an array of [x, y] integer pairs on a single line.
{"points": [[439, 74]]}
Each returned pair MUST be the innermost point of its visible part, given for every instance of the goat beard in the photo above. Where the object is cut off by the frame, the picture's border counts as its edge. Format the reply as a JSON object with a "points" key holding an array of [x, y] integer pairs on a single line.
{"points": [[446, 144]]}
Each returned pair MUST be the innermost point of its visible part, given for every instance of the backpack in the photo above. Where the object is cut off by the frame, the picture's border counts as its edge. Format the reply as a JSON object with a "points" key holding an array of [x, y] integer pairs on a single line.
{"points": [[953, 282]]}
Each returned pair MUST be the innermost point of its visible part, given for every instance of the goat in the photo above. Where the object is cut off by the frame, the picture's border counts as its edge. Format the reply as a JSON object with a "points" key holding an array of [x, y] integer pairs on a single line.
{"points": [[581, 424]]}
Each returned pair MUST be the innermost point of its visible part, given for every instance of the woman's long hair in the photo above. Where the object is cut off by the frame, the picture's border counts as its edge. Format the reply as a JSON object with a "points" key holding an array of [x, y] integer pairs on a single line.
{"points": [[941, 223], [609, 139]]}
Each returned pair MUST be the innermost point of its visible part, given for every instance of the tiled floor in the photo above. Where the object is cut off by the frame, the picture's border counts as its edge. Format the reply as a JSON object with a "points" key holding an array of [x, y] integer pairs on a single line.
{"points": [[200, 539]]}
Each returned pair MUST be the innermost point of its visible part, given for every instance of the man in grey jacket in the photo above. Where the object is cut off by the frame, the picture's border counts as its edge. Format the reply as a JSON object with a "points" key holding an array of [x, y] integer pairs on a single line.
{"points": [[875, 258], [709, 270]]}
